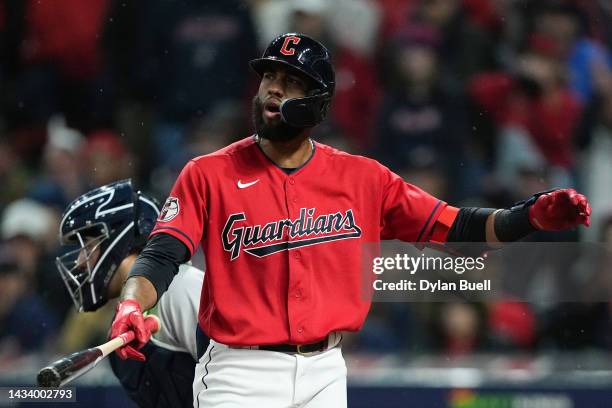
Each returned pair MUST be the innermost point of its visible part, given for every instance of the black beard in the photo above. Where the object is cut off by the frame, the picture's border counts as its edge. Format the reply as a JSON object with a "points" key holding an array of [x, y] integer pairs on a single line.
{"points": [[275, 132]]}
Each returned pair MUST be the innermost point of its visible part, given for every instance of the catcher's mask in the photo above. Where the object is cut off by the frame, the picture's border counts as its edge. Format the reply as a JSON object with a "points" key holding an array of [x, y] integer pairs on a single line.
{"points": [[101, 227]]}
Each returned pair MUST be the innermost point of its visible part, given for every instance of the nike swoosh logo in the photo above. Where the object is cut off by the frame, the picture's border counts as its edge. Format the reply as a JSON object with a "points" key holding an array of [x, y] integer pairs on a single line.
{"points": [[245, 185]]}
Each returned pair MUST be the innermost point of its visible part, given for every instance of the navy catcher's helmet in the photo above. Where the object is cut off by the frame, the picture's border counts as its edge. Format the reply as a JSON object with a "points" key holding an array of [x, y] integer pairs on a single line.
{"points": [[105, 224], [310, 58]]}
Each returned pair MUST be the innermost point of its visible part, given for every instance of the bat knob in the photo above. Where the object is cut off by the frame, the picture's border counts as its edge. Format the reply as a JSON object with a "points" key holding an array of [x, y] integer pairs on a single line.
{"points": [[48, 377]]}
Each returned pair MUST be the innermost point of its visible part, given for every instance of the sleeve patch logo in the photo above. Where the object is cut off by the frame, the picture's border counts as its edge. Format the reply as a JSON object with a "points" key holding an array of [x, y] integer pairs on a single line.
{"points": [[170, 210]]}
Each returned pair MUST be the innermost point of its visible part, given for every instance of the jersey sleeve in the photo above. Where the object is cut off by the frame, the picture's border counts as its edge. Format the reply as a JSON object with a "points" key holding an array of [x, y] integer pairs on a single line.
{"points": [[408, 213], [184, 213]]}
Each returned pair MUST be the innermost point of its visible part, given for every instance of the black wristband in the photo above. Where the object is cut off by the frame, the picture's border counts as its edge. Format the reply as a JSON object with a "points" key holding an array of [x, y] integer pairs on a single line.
{"points": [[513, 224], [470, 225], [468, 234]]}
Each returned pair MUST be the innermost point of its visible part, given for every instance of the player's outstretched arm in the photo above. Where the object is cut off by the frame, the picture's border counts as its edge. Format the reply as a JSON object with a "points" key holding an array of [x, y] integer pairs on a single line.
{"points": [[553, 210]]}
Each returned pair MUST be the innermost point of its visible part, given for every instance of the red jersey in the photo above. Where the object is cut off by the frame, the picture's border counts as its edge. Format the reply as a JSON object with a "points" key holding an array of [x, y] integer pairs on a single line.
{"points": [[283, 251]]}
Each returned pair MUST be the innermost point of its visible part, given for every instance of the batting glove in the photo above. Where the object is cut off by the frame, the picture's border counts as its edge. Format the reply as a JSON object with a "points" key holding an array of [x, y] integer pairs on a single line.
{"points": [[560, 209], [129, 317]]}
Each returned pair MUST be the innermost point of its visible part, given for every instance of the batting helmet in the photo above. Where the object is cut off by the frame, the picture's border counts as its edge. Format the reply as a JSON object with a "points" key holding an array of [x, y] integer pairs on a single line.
{"points": [[312, 59], [103, 226]]}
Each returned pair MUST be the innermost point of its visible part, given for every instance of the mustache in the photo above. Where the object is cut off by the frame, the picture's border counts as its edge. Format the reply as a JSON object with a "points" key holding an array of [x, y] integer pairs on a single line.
{"points": [[274, 131]]}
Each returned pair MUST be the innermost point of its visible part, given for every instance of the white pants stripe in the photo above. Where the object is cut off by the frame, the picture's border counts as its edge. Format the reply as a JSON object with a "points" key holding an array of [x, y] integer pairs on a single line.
{"points": [[233, 378]]}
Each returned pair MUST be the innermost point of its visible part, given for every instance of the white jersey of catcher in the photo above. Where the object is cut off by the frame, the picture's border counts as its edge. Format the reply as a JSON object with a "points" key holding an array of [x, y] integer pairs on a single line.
{"points": [[178, 311]]}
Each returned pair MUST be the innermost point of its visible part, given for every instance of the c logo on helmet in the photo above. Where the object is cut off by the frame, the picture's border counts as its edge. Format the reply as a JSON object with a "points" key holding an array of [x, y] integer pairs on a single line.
{"points": [[285, 50]]}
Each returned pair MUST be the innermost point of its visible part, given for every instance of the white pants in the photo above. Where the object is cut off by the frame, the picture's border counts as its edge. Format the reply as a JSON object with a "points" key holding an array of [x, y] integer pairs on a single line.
{"points": [[238, 378]]}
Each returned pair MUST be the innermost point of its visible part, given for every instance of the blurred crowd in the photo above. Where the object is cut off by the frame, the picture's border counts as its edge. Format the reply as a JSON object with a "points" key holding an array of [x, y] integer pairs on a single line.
{"points": [[479, 102]]}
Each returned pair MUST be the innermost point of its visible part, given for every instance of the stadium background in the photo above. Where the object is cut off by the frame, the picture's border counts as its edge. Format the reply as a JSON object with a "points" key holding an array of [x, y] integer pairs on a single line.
{"points": [[479, 102]]}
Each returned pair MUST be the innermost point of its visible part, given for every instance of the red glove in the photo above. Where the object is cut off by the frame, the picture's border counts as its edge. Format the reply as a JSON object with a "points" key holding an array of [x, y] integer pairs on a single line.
{"points": [[559, 210], [129, 317]]}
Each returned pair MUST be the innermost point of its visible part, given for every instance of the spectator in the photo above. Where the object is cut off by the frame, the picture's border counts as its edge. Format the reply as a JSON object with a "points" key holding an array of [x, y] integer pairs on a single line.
{"points": [[429, 177], [586, 59], [26, 323], [106, 158], [62, 178], [29, 230], [465, 48], [12, 173], [395, 13], [420, 124], [193, 56], [511, 326], [337, 18], [62, 69], [358, 92], [458, 328], [534, 111], [485, 14], [219, 127]]}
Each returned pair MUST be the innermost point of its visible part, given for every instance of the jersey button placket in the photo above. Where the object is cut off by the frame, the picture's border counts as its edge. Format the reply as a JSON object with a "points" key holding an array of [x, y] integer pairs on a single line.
{"points": [[294, 200], [290, 193], [296, 294]]}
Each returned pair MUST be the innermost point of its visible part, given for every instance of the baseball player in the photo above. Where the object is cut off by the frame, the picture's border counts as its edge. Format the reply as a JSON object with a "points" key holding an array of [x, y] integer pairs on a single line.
{"points": [[108, 227], [282, 220]]}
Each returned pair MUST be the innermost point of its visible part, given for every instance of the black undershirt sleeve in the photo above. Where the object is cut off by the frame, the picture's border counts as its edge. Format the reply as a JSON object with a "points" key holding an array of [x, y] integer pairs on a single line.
{"points": [[468, 234], [159, 261]]}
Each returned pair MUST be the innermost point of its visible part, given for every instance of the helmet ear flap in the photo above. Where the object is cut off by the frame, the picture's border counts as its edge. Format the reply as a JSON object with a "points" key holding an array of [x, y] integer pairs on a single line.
{"points": [[305, 112]]}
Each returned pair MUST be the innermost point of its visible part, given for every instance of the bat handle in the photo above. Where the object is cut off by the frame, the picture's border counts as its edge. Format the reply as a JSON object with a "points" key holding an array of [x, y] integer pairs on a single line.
{"points": [[151, 323]]}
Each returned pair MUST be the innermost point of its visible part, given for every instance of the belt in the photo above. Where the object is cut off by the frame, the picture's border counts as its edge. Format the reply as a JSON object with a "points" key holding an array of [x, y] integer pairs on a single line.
{"points": [[331, 341], [296, 348]]}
